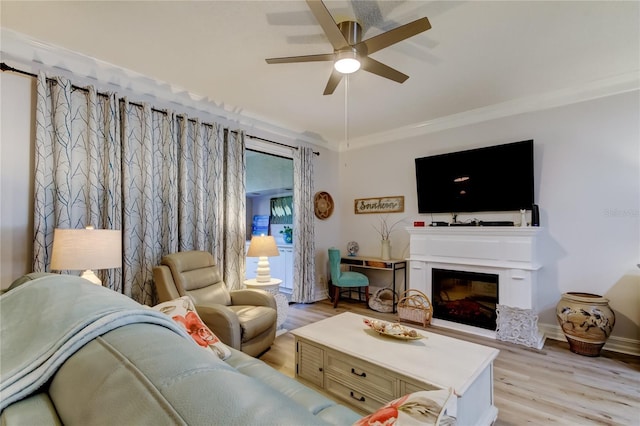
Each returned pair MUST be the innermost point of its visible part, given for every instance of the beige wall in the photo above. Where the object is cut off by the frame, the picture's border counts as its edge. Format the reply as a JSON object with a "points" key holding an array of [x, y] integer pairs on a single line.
{"points": [[16, 164], [587, 185], [587, 180]]}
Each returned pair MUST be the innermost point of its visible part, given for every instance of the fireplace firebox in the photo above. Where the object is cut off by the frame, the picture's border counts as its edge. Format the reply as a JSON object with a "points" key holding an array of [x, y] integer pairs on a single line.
{"points": [[465, 297]]}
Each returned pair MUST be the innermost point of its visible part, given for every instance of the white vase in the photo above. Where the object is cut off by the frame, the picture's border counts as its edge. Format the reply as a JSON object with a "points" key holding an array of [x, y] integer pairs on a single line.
{"points": [[386, 250]]}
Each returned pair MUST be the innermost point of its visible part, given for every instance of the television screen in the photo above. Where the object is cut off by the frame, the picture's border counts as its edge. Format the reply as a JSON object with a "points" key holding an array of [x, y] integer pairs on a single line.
{"points": [[495, 178]]}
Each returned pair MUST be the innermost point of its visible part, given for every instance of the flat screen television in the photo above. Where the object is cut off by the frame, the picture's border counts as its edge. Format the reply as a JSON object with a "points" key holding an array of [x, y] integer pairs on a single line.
{"points": [[495, 178]]}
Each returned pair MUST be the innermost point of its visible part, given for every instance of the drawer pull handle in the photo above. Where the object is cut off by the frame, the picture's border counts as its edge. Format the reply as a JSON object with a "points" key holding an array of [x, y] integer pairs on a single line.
{"points": [[361, 399], [363, 374]]}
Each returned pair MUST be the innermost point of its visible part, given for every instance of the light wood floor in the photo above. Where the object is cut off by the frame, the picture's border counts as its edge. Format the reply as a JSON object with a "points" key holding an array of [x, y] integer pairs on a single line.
{"points": [[551, 385]]}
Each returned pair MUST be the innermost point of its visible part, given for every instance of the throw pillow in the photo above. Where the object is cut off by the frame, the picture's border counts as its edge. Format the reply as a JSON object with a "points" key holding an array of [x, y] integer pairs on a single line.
{"points": [[418, 408], [183, 312]]}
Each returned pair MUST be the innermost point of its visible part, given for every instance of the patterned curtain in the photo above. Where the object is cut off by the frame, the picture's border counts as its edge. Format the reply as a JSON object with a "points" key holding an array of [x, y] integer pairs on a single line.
{"points": [[303, 227], [234, 227], [77, 166], [200, 167], [113, 164], [149, 194]]}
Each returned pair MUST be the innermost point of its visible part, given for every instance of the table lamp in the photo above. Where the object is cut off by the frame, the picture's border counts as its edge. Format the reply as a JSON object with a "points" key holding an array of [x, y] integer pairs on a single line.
{"points": [[86, 249], [262, 247]]}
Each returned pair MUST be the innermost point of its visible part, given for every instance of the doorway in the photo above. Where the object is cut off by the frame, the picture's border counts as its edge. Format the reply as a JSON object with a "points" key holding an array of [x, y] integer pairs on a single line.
{"points": [[269, 206]]}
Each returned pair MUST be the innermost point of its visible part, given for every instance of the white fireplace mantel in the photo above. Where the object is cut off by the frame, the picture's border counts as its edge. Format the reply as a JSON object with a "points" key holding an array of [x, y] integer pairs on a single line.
{"points": [[509, 252], [493, 246]]}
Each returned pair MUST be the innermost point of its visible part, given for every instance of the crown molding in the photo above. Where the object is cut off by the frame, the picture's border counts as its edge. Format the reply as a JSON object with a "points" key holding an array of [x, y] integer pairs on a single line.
{"points": [[35, 56], [615, 85]]}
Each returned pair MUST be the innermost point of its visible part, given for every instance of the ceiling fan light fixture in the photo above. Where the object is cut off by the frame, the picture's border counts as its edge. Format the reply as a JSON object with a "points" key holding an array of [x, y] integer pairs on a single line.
{"points": [[347, 62]]}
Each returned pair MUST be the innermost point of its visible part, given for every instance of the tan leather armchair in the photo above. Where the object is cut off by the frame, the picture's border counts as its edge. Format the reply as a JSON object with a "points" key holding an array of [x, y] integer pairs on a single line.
{"points": [[242, 319]]}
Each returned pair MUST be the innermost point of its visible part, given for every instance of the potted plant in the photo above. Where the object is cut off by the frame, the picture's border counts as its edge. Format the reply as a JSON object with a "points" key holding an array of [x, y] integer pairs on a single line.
{"points": [[287, 234]]}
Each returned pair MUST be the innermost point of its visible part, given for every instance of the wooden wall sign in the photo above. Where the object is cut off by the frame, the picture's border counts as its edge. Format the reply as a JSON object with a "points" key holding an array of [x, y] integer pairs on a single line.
{"points": [[391, 204]]}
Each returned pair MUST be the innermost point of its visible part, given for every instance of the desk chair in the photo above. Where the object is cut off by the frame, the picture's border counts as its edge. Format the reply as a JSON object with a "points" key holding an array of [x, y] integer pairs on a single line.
{"points": [[345, 279]]}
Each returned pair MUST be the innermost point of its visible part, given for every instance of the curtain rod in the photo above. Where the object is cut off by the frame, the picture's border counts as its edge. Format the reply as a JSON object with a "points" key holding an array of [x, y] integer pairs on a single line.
{"points": [[5, 67], [274, 142]]}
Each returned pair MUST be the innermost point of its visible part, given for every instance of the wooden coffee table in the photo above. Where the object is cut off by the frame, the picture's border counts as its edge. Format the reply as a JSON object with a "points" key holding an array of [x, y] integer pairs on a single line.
{"points": [[344, 358]]}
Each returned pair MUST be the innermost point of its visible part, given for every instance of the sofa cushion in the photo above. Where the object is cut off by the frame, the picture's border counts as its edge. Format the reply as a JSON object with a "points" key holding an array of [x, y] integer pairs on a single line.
{"points": [[103, 385], [143, 374], [212, 294], [183, 312], [295, 390], [34, 410], [254, 320], [317, 404]]}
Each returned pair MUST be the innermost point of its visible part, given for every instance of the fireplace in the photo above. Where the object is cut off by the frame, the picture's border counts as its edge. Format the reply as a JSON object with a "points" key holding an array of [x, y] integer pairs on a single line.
{"points": [[465, 297], [481, 279]]}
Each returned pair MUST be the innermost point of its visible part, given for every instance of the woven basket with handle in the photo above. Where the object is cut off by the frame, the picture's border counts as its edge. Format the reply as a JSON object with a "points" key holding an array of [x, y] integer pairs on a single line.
{"points": [[415, 306]]}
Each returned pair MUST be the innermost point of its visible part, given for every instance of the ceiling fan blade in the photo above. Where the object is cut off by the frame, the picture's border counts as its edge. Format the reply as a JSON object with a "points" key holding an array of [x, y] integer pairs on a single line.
{"points": [[307, 58], [382, 70], [334, 79], [395, 35], [329, 26]]}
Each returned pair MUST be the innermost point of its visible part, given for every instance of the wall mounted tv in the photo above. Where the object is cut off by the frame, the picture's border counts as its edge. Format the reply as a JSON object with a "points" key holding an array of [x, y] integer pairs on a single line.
{"points": [[496, 178]]}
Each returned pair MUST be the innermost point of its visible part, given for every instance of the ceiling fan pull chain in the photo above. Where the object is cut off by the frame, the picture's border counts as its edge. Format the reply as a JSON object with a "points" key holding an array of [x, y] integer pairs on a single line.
{"points": [[346, 112]]}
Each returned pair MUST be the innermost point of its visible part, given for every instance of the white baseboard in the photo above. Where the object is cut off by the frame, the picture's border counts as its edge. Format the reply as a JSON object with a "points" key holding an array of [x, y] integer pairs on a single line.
{"points": [[615, 344], [321, 292]]}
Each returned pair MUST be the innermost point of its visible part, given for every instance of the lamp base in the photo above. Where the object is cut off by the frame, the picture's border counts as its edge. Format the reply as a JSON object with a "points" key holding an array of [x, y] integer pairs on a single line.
{"points": [[263, 273], [89, 275]]}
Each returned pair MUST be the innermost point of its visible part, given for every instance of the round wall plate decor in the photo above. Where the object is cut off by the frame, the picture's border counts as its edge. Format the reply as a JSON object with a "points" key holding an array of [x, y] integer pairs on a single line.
{"points": [[323, 205]]}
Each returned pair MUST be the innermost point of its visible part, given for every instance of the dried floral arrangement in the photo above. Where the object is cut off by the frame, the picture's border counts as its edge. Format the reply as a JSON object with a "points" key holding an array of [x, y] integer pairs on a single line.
{"points": [[384, 229]]}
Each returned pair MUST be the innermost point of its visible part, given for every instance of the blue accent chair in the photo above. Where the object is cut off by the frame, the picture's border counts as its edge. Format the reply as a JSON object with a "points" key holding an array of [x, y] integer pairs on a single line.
{"points": [[345, 279]]}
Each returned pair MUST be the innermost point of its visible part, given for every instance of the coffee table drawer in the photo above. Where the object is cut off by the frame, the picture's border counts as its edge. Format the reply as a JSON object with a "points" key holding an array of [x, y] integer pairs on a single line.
{"points": [[361, 400], [410, 387], [361, 374]]}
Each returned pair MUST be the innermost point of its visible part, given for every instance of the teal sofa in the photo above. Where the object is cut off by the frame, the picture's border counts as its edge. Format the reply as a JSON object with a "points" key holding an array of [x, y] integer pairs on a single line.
{"points": [[124, 364]]}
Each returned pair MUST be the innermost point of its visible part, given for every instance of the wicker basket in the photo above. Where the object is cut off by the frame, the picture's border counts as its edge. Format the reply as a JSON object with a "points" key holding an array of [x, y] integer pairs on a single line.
{"points": [[382, 300], [415, 306]]}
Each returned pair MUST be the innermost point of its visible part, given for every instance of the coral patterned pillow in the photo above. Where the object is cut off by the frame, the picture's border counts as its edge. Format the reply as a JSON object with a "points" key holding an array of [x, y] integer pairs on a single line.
{"points": [[418, 408], [184, 313]]}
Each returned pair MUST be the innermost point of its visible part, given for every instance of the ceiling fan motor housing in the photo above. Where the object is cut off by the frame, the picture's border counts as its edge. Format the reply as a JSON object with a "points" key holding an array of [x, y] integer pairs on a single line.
{"points": [[352, 32]]}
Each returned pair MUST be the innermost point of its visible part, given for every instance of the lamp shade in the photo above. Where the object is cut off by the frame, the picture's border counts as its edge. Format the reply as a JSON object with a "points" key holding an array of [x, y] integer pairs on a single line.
{"points": [[263, 246], [81, 249]]}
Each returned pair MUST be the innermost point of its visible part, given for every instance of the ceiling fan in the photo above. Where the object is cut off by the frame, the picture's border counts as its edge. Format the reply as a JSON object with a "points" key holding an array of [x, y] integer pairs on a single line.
{"points": [[350, 53]]}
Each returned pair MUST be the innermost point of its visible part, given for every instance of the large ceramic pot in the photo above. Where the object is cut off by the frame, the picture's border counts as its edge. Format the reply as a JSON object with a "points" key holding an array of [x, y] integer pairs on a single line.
{"points": [[586, 320]]}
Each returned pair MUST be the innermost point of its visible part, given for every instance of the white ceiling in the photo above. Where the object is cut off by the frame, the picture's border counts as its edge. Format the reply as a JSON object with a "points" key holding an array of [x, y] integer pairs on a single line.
{"points": [[477, 54]]}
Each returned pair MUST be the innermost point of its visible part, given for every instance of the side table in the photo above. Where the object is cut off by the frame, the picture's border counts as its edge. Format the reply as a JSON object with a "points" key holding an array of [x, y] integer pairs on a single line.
{"points": [[273, 287]]}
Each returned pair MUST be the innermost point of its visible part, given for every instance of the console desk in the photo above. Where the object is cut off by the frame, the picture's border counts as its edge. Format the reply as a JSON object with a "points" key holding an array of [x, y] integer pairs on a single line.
{"points": [[391, 265]]}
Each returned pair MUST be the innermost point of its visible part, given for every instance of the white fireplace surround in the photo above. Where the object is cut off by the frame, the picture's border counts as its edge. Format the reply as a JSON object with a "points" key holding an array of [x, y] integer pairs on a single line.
{"points": [[509, 252]]}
